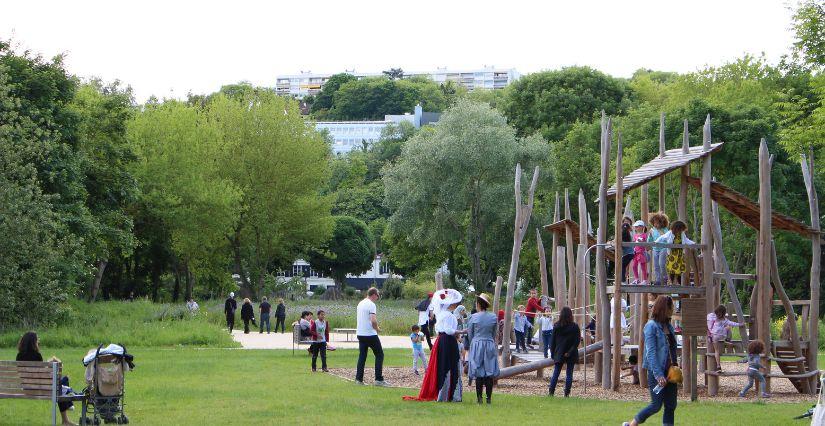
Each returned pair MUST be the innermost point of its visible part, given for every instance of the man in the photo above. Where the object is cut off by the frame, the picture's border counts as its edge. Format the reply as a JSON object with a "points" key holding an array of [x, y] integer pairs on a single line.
{"points": [[192, 306], [424, 309], [280, 315], [265, 308], [367, 330], [229, 308], [533, 306]]}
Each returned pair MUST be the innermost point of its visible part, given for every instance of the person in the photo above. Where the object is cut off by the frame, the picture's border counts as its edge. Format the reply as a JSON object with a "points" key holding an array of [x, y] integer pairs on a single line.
{"points": [[367, 330], [633, 369], [28, 349], [319, 330], [192, 306], [627, 252], [718, 327], [659, 355], [229, 308], [591, 328], [265, 309], [755, 368], [658, 222], [564, 347], [640, 254], [533, 306], [500, 332], [482, 364], [416, 336], [304, 328], [675, 265], [247, 314], [280, 315], [519, 327], [424, 313], [622, 316], [546, 326]]}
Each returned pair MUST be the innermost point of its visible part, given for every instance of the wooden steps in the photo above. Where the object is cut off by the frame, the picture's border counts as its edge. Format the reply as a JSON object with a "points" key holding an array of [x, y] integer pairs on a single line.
{"points": [[793, 368]]}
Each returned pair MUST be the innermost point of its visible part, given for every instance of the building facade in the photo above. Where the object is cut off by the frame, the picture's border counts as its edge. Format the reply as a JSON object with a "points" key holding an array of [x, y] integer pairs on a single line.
{"points": [[375, 276], [307, 83]]}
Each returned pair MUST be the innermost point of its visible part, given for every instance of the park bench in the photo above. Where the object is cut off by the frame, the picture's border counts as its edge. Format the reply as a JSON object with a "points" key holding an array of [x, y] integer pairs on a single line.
{"points": [[34, 380], [345, 331], [297, 340]]}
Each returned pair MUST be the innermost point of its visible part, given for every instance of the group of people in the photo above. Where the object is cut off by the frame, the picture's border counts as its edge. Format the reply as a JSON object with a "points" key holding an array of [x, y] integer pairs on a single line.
{"points": [[248, 314], [668, 262]]}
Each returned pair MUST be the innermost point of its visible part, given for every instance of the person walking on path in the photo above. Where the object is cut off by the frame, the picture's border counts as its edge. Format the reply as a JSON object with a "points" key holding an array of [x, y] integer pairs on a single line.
{"points": [[367, 330], [229, 308], [483, 360], [265, 309], [659, 355], [424, 309], [280, 315], [247, 314], [564, 349], [319, 329]]}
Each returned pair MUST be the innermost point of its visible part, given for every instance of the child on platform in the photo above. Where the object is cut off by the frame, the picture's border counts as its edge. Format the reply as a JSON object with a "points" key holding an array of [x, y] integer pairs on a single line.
{"points": [[416, 337], [520, 326], [640, 253], [718, 326], [658, 222], [755, 368], [676, 256]]}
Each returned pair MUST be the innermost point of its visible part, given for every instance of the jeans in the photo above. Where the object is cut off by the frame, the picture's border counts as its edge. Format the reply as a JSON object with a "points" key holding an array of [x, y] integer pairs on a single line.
{"points": [[568, 378], [546, 337], [659, 262], [754, 376], [374, 343], [666, 397], [520, 340], [280, 321], [316, 348], [265, 320], [419, 354]]}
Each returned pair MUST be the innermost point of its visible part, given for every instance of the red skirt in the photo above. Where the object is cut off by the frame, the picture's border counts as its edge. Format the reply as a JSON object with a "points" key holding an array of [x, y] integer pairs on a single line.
{"points": [[429, 388]]}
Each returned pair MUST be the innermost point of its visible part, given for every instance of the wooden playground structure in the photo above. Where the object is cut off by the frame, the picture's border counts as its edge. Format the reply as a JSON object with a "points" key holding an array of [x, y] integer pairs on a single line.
{"points": [[707, 277]]}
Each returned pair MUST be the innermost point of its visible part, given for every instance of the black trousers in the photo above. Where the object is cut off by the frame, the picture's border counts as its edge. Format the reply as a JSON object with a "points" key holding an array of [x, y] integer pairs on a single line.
{"points": [[279, 321], [425, 328], [317, 348], [230, 321], [246, 326], [374, 343], [626, 259]]}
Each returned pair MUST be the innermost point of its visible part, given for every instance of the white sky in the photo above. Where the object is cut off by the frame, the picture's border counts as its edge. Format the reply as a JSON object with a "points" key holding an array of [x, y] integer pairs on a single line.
{"points": [[168, 48]]}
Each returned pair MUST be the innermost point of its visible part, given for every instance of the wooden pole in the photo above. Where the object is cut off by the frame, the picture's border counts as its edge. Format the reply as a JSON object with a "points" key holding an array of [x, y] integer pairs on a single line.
{"points": [[439, 281], [816, 258], [711, 293], [662, 154], [583, 291], [497, 295], [763, 258], [617, 285], [602, 322], [522, 221], [558, 287], [571, 253], [545, 291], [641, 315]]}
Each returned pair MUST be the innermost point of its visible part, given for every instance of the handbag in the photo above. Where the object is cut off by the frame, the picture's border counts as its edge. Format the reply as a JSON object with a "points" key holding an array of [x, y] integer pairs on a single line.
{"points": [[674, 372]]}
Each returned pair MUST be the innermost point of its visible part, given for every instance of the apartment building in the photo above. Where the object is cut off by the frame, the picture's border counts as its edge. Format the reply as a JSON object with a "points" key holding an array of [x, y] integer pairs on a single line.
{"points": [[349, 135]]}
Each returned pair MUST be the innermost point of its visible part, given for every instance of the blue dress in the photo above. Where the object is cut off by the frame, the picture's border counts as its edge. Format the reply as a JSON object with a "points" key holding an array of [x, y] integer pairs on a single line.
{"points": [[483, 359]]}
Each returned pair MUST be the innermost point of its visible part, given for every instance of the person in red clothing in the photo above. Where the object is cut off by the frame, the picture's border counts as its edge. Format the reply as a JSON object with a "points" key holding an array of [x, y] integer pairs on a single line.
{"points": [[533, 306]]}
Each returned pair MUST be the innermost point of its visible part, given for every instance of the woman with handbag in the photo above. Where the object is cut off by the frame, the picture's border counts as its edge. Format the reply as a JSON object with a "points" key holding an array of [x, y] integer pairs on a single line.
{"points": [[660, 362]]}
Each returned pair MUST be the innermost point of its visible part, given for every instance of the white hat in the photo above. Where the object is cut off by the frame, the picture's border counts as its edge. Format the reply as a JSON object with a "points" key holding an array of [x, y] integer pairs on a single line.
{"points": [[447, 297], [231, 294], [639, 223]]}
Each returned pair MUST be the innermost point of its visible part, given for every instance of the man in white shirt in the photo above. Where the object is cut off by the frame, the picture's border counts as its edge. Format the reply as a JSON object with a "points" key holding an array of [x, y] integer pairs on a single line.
{"points": [[367, 332]]}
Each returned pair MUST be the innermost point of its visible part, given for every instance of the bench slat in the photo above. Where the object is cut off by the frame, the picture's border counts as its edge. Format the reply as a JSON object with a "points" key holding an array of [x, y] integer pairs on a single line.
{"points": [[47, 374], [26, 391], [23, 396], [27, 370], [19, 382], [26, 363]]}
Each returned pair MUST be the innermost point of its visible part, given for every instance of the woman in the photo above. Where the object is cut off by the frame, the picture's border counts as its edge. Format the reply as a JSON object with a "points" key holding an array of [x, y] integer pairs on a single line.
{"points": [[564, 346], [280, 315], [660, 354], [28, 349], [483, 359], [247, 314]]}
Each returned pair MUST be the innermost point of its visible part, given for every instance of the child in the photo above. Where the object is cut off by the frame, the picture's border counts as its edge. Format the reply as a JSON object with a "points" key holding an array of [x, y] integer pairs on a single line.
{"points": [[319, 329], [418, 350], [545, 323], [633, 360], [676, 256], [754, 360], [519, 326], [627, 252], [640, 253], [718, 327], [659, 222]]}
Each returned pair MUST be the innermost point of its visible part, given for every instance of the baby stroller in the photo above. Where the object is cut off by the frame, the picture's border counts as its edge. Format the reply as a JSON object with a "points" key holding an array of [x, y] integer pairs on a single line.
{"points": [[105, 377]]}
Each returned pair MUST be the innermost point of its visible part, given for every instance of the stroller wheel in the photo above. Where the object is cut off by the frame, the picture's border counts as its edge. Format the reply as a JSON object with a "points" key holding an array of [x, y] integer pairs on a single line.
{"points": [[123, 420], [96, 421]]}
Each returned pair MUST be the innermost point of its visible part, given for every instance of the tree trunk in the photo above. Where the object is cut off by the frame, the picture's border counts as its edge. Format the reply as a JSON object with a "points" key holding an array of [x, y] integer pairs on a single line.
{"points": [[190, 283], [101, 267], [176, 289], [451, 264], [235, 241]]}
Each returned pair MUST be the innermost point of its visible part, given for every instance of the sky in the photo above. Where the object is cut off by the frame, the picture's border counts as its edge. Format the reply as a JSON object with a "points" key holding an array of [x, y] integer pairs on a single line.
{"points": [[169, 48]]}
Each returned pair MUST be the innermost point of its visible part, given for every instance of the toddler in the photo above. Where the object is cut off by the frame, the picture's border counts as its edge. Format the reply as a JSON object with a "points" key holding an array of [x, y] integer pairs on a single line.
{"points": [[755, 368], [676, 256], [640, 253], [658, 222], [416, 338]]}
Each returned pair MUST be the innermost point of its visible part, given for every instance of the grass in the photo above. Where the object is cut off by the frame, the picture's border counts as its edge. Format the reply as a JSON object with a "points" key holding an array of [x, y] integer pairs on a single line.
{"points": [[218, 386]]}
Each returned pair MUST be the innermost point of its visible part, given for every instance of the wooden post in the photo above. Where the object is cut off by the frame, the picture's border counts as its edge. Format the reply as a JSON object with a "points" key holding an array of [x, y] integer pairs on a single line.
{"points": [[711, 293], [641, 315], [439, 281], [602, 321], [497, 294], [617, 284], [816, 256], [571, 253], [583, 292], [763, 258], [545, 291], [558, 287], [522, 221], [662, 154]]}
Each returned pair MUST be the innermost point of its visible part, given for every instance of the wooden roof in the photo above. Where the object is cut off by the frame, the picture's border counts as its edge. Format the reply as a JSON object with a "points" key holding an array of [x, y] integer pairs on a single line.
{"points": [[591, 240], [748, 211], [659, 166]]}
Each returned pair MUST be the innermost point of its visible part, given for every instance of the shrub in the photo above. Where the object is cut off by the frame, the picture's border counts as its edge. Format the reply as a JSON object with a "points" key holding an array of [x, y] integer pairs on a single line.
{"points": [[319, 291], [393, 289]]}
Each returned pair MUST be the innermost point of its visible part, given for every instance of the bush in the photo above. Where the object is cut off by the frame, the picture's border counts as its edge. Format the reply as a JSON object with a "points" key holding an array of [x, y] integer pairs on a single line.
{"points": [[393, 289], [319, 291], [349, 292], [418, 286]]}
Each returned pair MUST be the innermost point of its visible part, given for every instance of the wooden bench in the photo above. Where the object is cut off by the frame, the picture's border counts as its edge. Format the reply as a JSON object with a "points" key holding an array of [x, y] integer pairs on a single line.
{"points": [[345, 331], [34, 380], [297, 340]]}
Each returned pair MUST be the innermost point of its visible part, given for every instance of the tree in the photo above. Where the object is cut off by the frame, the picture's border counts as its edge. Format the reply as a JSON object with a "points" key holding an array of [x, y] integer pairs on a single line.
{"points": [[350, 250], [809, 30], [550, 102], [453, 183], [394, 73], [323, 101], [372, 98]]}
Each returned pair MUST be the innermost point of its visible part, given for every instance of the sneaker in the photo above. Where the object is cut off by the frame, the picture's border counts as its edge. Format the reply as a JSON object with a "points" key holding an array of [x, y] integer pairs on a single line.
{"points": [[382, 383], [741, 395], [645, 282], [766, 395], [325, 370], [416, 372], [359, 382], [635, 282]]}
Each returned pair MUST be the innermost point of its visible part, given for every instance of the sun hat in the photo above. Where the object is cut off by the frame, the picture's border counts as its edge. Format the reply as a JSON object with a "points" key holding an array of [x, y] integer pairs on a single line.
{"points": [[485, 297], [639, 223]]}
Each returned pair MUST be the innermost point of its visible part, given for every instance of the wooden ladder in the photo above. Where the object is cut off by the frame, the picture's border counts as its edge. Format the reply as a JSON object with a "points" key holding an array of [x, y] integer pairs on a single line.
{"points": [[792, 366]]}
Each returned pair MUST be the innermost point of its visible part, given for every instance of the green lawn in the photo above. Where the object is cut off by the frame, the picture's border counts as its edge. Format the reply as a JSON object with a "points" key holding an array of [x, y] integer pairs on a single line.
{"points": [[225, 386]]}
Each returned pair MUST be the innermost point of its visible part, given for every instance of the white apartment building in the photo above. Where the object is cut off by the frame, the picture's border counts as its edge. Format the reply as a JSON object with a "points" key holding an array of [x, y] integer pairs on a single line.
{"points": [[307, 83], [375, 276], [348, 135]]}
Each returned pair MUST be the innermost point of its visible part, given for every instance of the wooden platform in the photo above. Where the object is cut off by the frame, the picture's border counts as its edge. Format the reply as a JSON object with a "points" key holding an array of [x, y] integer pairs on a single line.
{"points": [[659, 289]]}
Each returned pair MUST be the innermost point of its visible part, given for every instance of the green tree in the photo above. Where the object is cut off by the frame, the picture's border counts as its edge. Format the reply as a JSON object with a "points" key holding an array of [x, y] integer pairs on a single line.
{"points": [[323, 101], [350, 250], [809, 30], [372, 98], [394, 73]]}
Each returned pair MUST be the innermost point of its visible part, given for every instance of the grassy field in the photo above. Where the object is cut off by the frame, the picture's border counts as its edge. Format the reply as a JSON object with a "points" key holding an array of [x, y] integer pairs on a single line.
{"points": [[224, 386]]}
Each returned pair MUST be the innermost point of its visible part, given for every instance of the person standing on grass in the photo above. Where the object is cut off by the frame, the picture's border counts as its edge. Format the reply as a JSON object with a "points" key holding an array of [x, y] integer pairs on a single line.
{"points": [[367, 330], [229, 308], [319, 329], [660, 354], [483, 359], [564, 348], [265, 309], [280, 315]]}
